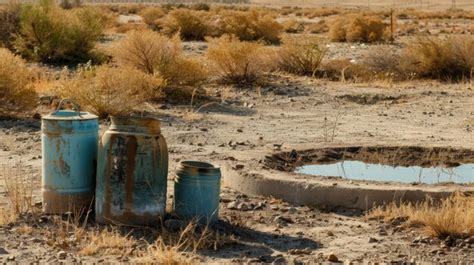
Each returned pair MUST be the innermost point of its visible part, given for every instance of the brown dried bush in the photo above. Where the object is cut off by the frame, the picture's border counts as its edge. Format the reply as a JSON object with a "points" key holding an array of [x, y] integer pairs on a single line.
{"points": [[153, 53], [16, 90], [190, 24], [383, 60], [151, 15], [234, 61], [317, 28], [250, 26], [9, 23], [302, 54], [357, 28], [430, 57], [107, 90]]}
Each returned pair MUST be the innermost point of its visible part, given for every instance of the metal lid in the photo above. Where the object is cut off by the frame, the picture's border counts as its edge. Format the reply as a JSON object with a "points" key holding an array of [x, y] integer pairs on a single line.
{"points": [[70, 115]]}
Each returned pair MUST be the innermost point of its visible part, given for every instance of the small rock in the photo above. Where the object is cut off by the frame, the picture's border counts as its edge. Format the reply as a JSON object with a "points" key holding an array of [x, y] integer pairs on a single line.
{"points": [[383, 232], [3, 251], [232, 205], [373, 240], [243, 206], [173, 224], [297, 251], [292, 210], [330, 233], [240, 130], [332, 258], [239, 167], [11, 258], [282, 219], [62, 255]]}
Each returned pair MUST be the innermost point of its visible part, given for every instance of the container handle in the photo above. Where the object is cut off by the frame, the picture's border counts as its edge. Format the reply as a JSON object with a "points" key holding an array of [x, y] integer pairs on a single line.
{"points": [[76, 106]]}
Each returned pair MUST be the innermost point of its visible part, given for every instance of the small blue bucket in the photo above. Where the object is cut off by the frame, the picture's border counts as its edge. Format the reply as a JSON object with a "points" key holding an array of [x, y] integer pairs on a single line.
{"points": [[196, 191]]}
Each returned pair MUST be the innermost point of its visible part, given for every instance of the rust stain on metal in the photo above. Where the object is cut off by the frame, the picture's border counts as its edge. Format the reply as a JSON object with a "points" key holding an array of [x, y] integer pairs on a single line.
{"points": [[129, 182], [58, 203]]}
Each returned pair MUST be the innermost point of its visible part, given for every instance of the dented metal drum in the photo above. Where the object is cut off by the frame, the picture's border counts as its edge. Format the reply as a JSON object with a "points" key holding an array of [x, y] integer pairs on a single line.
{"points": [[69, 148], [196, 191], [132, 172]]}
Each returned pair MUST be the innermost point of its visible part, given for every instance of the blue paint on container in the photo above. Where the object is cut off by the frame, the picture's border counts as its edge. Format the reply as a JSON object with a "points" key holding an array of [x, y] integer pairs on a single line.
{"points": [[69, 150], [196, 191]]}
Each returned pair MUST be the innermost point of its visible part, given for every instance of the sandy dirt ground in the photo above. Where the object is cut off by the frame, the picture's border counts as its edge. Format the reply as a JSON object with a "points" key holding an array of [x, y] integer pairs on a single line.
{"points": [[248, 125]]}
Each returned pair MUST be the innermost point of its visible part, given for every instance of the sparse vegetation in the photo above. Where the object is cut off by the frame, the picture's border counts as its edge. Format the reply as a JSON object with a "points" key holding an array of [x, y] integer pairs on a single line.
{"points": [[107, 90], [302, 54], [449, 59], [357, 28], [156, 54], [453, 216], [234, 61], [16, 90], [51, 34]]}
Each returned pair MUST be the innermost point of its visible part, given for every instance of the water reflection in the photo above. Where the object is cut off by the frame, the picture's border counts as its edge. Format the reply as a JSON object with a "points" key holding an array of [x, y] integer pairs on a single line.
{"points": [[365, 171]]}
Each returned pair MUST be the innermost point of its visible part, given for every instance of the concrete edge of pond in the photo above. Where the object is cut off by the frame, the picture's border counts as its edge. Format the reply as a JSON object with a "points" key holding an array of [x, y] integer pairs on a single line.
{"points": [[331, 192]]}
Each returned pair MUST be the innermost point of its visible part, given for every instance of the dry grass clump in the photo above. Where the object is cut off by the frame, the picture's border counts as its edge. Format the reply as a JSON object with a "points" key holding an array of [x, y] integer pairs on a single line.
{"points": [[449, 59], [105, 242], [19, 190], [321, 12], [453, 216], [301, 55], [9, 23], [234, 61], [107, 90], [317, 28], [357, 28], [16, 91], [51, 34], [190, 24], [250, 25], [156, 54]]}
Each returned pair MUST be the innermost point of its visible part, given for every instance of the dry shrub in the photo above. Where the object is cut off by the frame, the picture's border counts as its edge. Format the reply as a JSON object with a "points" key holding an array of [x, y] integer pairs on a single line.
{"points": [[16, 92], [344, 70], [190, 24], [301, 55], [321, 12], [9, 23], [292, 26], [156, 54], [234, 61], [317, 28], [250, 26], [151, 15], [51, 34], [449, 59], [383, 60], [107, 90], [357, 28], [453, 216]]}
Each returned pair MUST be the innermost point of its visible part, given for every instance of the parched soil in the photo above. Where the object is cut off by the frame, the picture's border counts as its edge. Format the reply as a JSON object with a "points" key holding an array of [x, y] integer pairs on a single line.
{"points": [[387, 155], [287, 114]]}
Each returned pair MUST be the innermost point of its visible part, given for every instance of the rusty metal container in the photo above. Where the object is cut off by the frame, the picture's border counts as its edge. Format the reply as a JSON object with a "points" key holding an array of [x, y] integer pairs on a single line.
{"points": [[196, 191], [69, 149], [132, 172]]}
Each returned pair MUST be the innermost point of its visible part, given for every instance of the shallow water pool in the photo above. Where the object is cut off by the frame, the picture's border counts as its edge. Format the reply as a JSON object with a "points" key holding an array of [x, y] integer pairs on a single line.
{"points": [[364, 171]]}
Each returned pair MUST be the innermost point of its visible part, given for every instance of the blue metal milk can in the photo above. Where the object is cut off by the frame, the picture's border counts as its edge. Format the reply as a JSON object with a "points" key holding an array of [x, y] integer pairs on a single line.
{"points": [[132, 172], [69, 147]]}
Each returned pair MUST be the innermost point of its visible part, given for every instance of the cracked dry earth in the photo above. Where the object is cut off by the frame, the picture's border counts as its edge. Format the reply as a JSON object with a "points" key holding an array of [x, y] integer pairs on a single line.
{"points": [[290, 113]]}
